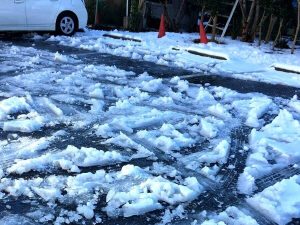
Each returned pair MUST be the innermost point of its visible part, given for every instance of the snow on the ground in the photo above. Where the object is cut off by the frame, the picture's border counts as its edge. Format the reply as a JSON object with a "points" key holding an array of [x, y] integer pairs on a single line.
{"points": [[254, 109], [69, 159], [147, 196], [232, 215], [294, 104], [142, 194], [244, 60], [292, 68], [280, 202], [74, 135], [274, 146], [208, 161]]}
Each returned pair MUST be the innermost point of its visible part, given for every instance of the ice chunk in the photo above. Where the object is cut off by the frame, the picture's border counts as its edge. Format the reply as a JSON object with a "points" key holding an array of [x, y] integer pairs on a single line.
{"points": [[61, 58], [208, 129], [204, 95], [152, 85], [26, 126], [13, 105], [86, 210], [295, 104], [219, 110], [246, 184]]}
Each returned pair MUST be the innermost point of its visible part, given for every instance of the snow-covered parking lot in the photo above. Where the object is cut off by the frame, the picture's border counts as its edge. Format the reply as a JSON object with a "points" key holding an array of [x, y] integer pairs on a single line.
{"points": [[91, 138]]}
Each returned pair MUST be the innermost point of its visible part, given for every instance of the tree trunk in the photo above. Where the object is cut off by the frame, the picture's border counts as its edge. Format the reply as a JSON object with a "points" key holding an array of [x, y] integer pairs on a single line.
{"points": [[255, 22], [297, 30], [169, 22], [263, 19], [278, 33], [214, 29], [179, 14], [97, 14], [246, 26], [243, 6], [270, 29]]}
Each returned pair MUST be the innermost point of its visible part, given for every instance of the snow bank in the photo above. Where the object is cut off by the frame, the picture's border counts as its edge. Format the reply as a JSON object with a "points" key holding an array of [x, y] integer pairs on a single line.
{"points": [[279, 202], [275, 146], [250, 63]]}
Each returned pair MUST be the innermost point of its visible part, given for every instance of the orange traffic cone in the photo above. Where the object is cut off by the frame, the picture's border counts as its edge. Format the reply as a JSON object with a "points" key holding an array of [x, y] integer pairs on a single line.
{"points": [[162, 29], [203, 37]]}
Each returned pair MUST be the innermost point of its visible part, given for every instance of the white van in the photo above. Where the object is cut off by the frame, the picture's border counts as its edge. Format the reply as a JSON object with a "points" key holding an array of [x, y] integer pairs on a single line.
{"points": [[63, 16]]}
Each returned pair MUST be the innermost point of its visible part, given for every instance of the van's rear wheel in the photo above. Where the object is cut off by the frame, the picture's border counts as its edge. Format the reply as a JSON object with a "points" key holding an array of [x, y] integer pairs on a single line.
{"points": [[66, 24]]}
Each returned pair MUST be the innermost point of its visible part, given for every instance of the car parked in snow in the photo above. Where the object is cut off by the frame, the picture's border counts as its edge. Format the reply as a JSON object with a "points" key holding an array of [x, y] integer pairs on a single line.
{"points": [[63, 16]]}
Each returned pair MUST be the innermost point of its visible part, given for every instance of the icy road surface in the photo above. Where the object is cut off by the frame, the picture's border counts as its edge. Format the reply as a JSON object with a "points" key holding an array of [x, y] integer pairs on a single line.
{"points": [[86, 142]]}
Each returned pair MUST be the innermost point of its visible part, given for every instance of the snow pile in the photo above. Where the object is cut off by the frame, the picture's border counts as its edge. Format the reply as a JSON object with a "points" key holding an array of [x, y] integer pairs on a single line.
{"points": [[13, 105], [208, 129], [231, 215], [171, 139], [219, 111], [61, 58], [170, 215], [25, 125], [86, 210], [204, 95], [96, 92], [152, 85], [130, 191], [280, 202], [254, 109], [275, 146], [147, 196], [27, 118], [69, 159], [294, 104], [208, 161]]}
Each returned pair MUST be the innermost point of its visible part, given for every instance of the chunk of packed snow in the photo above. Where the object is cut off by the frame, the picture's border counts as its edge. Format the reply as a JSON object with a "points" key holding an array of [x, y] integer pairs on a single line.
{"points": [[13, 105], [295, 104], [279, 202], [26, 126], [275, 146], [147, 196], [232, 215], [69, 159], [253, 109], [86, 210]]}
